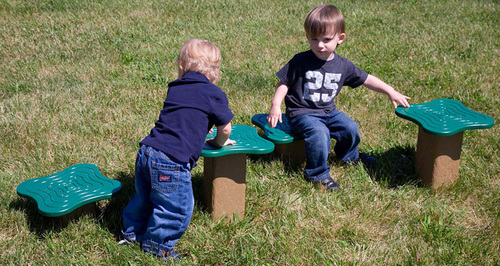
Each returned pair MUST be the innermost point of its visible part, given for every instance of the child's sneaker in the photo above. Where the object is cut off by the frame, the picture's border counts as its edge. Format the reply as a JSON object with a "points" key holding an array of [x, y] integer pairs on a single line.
{"points": [[366, 159], [124, 242], [328, 184], [170, 256]]}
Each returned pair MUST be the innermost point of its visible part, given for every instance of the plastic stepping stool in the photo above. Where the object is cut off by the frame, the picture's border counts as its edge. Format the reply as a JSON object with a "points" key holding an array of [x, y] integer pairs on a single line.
{"points": [[441, 125], [63, 192], [288, 146], [225, 171]]}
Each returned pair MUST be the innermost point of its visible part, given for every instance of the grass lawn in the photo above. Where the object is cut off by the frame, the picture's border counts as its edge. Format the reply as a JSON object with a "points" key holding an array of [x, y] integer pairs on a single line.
{"points": [[84, 81]]}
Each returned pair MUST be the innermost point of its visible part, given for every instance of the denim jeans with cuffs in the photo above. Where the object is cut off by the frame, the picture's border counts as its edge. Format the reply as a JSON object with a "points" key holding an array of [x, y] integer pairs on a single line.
{"points": [[160, 211], [317, 131]]}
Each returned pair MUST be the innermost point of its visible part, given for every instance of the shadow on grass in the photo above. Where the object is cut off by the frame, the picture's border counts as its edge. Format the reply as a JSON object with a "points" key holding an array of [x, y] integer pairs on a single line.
{"points": [[290, 166], [111, 215], [394, 167], [197, 182], [37, 223]]}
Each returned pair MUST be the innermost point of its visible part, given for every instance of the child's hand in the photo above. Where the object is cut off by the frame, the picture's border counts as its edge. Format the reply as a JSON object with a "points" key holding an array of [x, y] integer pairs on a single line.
{"points": [[397, 97], [213, 143], [275, 113], [274, 117], [374, 83]]}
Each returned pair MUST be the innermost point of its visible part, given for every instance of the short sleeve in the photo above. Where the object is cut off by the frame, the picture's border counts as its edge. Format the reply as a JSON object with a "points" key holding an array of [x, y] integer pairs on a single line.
{"points": [[283, 74], [221, 114], [355, 77]]}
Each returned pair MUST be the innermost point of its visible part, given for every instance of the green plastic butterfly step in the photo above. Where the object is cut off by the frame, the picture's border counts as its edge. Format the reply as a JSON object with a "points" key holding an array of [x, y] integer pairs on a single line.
{"points": [[247, 141], [281, 134], [63, 192], [444, 117]]}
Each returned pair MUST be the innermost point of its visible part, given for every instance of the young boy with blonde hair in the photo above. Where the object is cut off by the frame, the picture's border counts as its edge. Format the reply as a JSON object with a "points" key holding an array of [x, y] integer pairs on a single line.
{"points": [[161, 209], [309, 83]]}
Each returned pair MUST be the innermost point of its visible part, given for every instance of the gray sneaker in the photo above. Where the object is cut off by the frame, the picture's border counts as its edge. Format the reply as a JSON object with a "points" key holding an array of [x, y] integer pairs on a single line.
{"points": [[328, 184]]}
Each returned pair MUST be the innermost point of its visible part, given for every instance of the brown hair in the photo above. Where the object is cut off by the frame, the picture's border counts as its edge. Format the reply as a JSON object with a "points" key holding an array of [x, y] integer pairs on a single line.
{"points": [[324, 19], [201, 56]]}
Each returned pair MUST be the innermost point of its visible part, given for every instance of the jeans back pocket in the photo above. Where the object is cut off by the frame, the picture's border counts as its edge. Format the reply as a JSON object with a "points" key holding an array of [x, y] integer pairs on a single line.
{"points": [[165, 177]]}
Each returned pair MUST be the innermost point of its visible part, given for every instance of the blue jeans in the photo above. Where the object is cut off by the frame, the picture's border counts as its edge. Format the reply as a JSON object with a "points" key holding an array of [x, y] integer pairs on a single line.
{"points": [[160, 211], [317, 131]]}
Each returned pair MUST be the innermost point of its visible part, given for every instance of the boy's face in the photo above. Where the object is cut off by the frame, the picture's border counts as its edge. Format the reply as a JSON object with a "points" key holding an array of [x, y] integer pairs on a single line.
{"points": [[324, 45]]}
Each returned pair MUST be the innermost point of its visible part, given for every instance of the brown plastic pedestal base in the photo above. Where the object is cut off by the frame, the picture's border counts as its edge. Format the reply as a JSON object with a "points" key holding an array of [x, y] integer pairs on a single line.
{"points": [[293, 152], [438, 158], [87, 209], [224, 185]]}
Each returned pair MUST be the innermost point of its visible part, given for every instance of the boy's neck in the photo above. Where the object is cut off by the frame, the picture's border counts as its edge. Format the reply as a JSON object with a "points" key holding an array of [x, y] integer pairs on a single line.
{"points": [[329, 58]]}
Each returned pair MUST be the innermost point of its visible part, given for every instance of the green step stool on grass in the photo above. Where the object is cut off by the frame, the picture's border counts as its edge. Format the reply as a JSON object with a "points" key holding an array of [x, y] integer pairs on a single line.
{"points": [[288, 146], [225, 171], [75, 187], [441, 125]]}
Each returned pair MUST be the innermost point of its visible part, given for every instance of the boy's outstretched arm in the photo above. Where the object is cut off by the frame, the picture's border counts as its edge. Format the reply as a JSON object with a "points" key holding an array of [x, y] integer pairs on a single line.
{"points": [[275, 112], [378, 85], [222, 137]]}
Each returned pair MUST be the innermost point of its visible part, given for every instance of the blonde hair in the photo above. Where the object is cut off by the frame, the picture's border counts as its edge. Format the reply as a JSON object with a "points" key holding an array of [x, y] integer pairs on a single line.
{"points": [[201, 56], [324, 19]]}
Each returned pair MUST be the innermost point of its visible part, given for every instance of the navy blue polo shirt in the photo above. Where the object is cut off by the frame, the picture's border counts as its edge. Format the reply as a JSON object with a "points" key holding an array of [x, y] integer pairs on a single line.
{"points": [[193, 106]]}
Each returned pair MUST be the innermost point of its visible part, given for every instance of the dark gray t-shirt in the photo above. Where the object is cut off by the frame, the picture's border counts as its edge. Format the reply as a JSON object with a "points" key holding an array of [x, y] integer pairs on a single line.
{"points": [[313, 83]]}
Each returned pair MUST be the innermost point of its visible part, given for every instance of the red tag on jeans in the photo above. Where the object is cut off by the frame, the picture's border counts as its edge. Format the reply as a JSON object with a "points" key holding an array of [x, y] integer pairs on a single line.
{"points": [[164, 178]]}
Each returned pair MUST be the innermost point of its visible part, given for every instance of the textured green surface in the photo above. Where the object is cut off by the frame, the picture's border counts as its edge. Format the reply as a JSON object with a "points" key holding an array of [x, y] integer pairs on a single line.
{"points": [[281, 134], [63, 192], [444, 117], [247, 141]]}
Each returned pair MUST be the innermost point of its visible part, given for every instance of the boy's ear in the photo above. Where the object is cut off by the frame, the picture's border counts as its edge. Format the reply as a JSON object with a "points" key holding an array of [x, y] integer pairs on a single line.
{"points": [[341, 38], [181, 71]]}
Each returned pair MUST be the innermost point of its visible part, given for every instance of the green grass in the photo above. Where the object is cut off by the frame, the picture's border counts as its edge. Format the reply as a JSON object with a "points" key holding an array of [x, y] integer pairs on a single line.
{"points": [[83, 82]]}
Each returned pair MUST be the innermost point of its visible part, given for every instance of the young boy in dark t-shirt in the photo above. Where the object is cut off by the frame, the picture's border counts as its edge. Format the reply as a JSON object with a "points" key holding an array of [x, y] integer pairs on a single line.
{"points": [[309, 84], [160, 211]]}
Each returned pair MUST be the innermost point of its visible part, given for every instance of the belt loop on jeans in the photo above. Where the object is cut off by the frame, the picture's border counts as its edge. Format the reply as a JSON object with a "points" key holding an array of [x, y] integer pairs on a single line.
{"points": [[144, 148]]}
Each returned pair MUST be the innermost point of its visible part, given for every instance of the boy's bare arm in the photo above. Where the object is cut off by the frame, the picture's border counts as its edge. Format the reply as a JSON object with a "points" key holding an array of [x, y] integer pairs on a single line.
{"points": [[275, 111], [378, 85], [222, 137]]}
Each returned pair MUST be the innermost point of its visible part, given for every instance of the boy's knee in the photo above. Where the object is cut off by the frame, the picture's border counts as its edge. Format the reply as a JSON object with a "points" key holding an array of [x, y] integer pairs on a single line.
{"points": [[319, 137], [352, 127], [317, 131], [349, 130]]}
